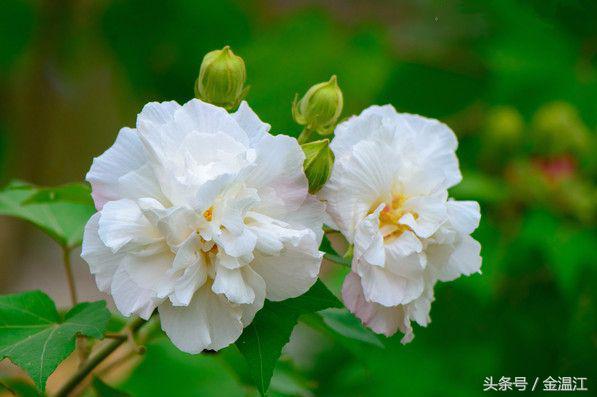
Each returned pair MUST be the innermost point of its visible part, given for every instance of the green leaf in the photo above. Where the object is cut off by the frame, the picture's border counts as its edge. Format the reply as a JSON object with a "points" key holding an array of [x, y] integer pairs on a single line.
{"points": [[70, 193], [262, 341], [331, 254], [37, 339], [167, 371], [60, 212], [104, 390], [344, 323]]}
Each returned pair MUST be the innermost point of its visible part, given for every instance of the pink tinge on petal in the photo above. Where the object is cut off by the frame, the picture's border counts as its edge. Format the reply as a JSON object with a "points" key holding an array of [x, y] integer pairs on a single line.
{"points": [[381, 319]]}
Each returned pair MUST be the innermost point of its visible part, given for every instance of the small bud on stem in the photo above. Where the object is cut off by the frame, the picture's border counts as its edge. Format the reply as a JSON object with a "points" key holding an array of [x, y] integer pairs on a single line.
{"points": [[319, 109], [319, 160], [221, 79]]}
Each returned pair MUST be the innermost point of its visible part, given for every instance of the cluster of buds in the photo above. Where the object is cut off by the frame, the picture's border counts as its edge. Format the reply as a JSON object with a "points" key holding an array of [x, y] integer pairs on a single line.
{"points": [[221, 82], [318, 110]]}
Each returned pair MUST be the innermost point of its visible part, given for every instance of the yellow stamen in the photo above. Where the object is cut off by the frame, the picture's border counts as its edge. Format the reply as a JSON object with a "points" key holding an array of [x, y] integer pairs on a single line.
{"points": [[390, 216], [208, 214]]}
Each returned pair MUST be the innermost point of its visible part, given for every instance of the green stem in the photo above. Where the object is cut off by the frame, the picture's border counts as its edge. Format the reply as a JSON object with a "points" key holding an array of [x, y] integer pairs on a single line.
{"points": [[305, 136], [95, 360], [337, 259], [9, 389], [69, 275]]}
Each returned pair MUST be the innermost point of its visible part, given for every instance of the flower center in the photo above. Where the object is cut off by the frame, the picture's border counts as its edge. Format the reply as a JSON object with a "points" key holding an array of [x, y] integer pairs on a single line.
{"points": [[389, 218], [208, 214]]}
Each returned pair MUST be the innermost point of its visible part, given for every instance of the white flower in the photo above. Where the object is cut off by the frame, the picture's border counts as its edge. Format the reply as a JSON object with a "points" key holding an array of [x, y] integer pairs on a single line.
{"points": [[202, 214], [388, 195]]}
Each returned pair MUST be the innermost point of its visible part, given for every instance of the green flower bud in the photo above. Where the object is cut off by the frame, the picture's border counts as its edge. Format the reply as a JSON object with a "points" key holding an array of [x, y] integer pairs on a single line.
{"points": [[320, 108], [221, 79], [319, 160]]}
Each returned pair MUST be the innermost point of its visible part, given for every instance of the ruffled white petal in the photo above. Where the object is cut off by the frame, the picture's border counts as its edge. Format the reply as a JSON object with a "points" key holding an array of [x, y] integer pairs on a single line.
{"points": [[358, 183], [387, 287], [131, 299], [210, 322], [257, 284], [125, 156], [102, 261], [290, 273], [231, 283], [369, 241], [122, 222], [464, 215], [278, 175], [250, 123], [381, 319]]}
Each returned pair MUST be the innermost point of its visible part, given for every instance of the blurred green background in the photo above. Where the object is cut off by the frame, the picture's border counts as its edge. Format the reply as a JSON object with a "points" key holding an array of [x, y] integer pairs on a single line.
{"points": [[516, 80]]}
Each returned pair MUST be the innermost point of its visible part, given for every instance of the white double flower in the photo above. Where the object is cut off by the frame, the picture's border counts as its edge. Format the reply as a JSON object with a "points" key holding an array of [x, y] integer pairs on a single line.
{"points": [[388, 196], [202, 214]]}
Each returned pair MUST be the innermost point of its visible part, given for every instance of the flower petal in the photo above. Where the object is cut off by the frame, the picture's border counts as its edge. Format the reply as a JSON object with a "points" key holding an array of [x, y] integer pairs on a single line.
{"points": [[130, 298], [388, 288], [102, 262], [208, 322], [381, 319], [256, 282], [292, 272], [231, 283], [431, 212], [368, 240], [250, 123], [358, 183], [122, 222], [464, 215], [126, 155]]}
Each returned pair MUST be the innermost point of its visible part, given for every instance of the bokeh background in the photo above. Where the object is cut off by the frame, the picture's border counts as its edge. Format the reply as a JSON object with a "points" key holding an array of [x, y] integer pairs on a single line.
{"points": [[516, 80]]}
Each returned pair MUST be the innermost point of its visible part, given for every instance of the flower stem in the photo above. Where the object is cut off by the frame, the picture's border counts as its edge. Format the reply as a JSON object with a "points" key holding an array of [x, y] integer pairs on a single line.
{"points": [[96, 359], [69, 275], [305, 136], [9, 389], [337, 259], [72, 288]]}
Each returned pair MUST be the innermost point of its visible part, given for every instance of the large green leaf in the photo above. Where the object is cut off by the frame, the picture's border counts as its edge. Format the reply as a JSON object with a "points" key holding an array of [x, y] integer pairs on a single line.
{"points": [[262, 341], [35, 337], [60, 212]]}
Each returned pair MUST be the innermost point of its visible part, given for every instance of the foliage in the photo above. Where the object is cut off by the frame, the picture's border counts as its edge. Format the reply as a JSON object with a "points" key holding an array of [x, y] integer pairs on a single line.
{"points": [[104, 390], [262, 341], [36, 338], [60, 212], [531, 313]]}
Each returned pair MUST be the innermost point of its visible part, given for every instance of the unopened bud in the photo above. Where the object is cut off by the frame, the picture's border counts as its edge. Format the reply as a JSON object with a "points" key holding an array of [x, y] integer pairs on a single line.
{"points": [[221, 79], [319, 160], [320, 108]]}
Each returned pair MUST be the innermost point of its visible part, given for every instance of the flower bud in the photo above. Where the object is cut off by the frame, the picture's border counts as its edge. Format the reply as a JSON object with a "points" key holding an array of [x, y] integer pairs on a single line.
{"points": [[319, 160], [221, 79], [320, 108]]}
